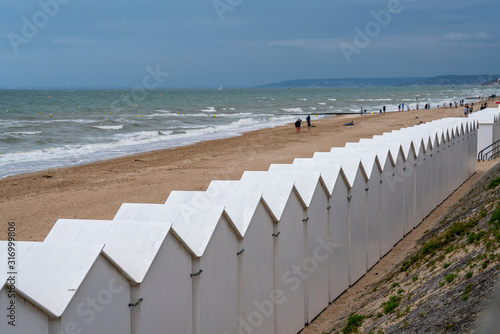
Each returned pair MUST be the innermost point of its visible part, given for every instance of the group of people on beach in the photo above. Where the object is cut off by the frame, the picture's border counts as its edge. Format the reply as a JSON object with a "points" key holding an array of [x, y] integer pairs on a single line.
{"points": [[453, 103], [363, 111], [401, 107], [484, 106], [468, 109], [298, 123]]}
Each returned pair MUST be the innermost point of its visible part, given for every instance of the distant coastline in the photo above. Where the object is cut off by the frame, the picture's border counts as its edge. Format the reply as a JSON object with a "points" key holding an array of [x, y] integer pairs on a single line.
{"points": [[443, 80]]}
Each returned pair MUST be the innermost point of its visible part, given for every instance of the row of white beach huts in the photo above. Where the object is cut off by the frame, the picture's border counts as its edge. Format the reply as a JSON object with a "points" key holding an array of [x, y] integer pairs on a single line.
{"points": [[264, 254], [488, 132]]}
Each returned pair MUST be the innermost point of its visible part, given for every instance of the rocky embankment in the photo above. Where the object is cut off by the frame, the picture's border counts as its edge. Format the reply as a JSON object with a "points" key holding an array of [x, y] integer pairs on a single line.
{"points": [[447, 283]]}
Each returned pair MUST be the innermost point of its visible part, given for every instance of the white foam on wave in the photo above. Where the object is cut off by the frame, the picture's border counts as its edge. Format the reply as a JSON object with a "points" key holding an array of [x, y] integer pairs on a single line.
{"points": [[156, 115], [22, 133], [128, 143], [209, 109], [292, 109], [373, 100], [332, 99], [108, 127], [322, 103]]}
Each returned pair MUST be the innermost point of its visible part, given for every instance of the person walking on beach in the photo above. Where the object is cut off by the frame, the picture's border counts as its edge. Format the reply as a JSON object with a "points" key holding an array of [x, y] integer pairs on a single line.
{"points": [[383, 109], [361, 111], [399, 108], [297, 124], [308, 119]]}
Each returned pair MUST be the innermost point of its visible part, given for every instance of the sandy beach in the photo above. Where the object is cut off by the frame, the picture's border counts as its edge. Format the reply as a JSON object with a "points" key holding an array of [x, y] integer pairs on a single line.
{"points": [[95, 191]]}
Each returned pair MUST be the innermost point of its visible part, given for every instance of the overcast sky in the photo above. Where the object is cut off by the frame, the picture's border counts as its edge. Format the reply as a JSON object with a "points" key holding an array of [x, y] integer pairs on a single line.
{"points": [[241, 43]]}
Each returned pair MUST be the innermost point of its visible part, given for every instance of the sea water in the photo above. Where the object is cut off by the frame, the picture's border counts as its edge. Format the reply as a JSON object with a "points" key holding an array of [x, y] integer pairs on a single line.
{"points": [[43, 129]]}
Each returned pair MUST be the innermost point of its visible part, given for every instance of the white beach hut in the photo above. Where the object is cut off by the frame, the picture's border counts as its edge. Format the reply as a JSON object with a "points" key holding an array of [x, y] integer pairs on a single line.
{"points": [[287, 206], [414, 173], [77, 288], [453, 146], [145, 252], [437, 154], [462, 154], [439, 163], [451, 163], [489, 124], [433, 153], [373, 169], [21, 316], [315, 195], [388, 194], [210, 236], [453, 141], [459, 154], [338, 229], [393, 175], [473, 133], [471, 129], [423, 169], [457, 158], [472, 138], [255, 224], [358, 182], [405, 174]]}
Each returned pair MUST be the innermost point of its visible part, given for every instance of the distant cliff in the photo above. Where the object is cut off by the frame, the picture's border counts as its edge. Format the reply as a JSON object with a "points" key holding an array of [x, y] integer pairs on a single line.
{"points": [[346, 82], [443, 80], [454, 80]]}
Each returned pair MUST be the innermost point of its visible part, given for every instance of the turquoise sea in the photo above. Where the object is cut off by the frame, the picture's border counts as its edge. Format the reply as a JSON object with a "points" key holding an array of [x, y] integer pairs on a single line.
{"points": [[42, 129]]}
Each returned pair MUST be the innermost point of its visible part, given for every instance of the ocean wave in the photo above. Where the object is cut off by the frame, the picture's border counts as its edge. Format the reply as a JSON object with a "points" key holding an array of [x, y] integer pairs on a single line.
{"points": [[21, 133], [374, 100], [292, 109], [209, 109], [108, 127]]}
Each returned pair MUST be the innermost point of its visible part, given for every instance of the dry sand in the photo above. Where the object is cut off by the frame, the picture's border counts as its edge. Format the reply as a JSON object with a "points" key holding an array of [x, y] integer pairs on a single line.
{"points": [[95, 191]]}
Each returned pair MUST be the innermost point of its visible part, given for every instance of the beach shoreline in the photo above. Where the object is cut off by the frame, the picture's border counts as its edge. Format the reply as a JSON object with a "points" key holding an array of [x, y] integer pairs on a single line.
{"points": [[96, 190]]}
